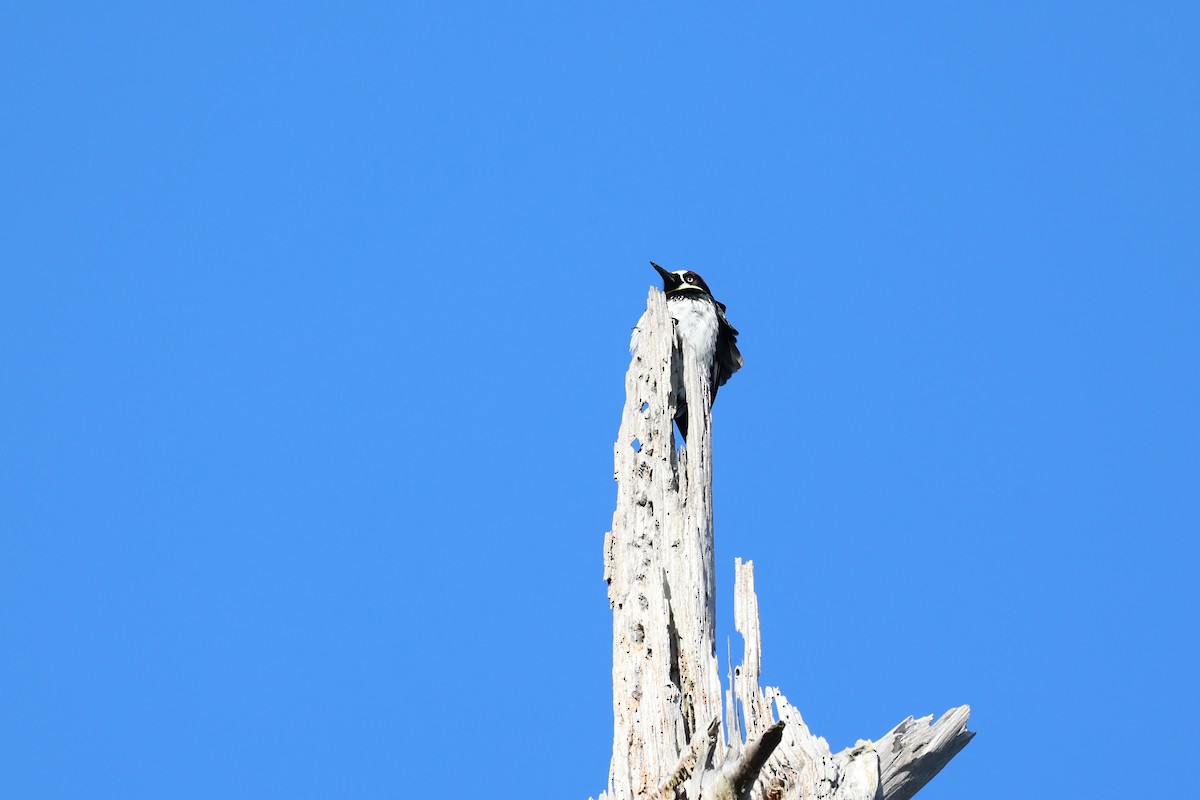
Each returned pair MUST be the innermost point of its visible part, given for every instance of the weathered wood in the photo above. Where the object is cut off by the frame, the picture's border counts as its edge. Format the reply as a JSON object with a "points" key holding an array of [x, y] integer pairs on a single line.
{"points": [[914, 751], [698, 751], [659, 565], [893, 768]]}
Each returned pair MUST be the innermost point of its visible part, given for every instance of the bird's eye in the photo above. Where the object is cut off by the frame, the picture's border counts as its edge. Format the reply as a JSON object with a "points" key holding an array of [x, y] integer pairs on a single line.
{"points": [[689, 279]]}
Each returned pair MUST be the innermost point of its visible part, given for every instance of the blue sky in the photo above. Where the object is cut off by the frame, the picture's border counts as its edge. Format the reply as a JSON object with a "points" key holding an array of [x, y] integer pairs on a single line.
{"points": [[314, 332]]}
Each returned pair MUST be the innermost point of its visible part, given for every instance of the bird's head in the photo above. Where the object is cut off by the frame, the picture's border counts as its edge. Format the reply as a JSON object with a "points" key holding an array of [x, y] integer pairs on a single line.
{"points": [[682, 282]]}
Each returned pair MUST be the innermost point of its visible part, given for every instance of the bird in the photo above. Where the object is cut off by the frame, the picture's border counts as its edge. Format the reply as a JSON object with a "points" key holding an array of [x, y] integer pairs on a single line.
{"points": [[701, 325]]}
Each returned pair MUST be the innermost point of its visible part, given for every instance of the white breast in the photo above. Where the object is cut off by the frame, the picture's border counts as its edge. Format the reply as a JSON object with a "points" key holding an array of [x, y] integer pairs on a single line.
{"points": [[696, 325], [696, 321]]}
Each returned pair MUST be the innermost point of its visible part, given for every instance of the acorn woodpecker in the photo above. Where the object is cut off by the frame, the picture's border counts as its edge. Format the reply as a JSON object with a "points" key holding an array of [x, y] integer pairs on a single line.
{"points": [[701, 324]]}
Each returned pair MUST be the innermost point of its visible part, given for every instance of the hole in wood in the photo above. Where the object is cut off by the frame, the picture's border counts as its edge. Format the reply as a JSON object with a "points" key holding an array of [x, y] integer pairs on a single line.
{"points": [[645, 407], [636, 444]]}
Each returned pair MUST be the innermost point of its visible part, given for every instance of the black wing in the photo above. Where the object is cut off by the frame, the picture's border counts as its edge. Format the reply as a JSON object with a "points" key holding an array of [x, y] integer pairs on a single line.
{"points": [[728, 358]]}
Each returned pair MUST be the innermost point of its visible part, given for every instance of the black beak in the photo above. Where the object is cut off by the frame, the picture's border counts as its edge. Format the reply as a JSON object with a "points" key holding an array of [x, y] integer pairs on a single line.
{"points": [[670, 279]]}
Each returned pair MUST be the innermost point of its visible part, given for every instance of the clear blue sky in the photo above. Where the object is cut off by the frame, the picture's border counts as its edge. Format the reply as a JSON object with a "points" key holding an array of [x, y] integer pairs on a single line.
{"points": [[314, 323]]}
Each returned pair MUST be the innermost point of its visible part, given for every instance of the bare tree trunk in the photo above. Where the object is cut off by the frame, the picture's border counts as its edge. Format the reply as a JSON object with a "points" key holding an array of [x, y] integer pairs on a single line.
{"points": [[667, 697]]}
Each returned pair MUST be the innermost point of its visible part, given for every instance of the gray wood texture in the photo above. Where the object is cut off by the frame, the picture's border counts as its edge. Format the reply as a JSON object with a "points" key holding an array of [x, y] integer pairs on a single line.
{"points": [[675, 733]]}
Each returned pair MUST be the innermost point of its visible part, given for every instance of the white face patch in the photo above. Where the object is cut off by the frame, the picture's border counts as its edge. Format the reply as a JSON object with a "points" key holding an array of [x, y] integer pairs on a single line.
{"points": [[688, 282]]}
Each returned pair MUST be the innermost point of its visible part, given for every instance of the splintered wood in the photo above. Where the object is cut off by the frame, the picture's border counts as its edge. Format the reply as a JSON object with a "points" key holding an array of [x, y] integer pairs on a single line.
{"points": [[668, 740]]}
